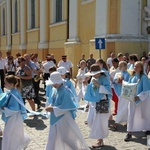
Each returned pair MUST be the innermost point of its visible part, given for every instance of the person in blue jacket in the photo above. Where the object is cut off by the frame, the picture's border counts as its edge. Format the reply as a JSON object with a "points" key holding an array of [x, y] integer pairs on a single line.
{"points": [[98, 89], [67, 82], [120, 77], [13, 114], [64, 133], [139, 107]]}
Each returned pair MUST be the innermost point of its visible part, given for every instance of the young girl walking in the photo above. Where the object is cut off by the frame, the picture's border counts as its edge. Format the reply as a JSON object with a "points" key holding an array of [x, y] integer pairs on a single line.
{"points": [[138, 109], [13, 113], [98, 91], [119, 77], [64, 133]]}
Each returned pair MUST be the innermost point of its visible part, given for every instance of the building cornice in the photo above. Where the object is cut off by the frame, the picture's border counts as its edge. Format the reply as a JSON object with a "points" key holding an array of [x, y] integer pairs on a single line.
{"points": [[122, 38], [23, 46], [32, 30], [58, 24], [73, 41], [43, 45], [84, 2], [8, 47]]}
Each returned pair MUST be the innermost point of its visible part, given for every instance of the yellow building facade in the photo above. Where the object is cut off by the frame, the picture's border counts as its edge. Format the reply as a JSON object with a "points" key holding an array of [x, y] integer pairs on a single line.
{"points": [[71, 26]]}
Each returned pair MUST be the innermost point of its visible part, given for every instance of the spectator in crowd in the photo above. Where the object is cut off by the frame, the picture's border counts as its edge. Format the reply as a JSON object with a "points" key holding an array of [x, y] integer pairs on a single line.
{"points": [[90, 61], [10, 66], [35, 70], [66, 63], [2, 70], [16, 60], [82, 58], [24, 72], [143, 60], [8, 54], [149, 56], [144, 55], [148, 69], [120, 57], [109, 60], [45, 67], [36, 79], [53, 59], [127, 57]]}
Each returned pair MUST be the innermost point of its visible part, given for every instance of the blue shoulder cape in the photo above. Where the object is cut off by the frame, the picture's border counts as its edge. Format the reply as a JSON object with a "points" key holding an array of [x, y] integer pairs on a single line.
{"points": [[143, 83], [13, 104], [92, 93], [63, 99], [118, 86]]}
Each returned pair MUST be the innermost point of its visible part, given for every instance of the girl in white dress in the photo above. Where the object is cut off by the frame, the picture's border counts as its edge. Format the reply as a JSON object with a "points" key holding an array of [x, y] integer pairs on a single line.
{"points": [[139, 107], [64, 133], [13, 114], [99, 89]]}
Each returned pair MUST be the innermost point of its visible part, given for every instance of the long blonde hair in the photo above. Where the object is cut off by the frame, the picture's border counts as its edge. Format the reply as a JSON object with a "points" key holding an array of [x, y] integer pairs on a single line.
{"points": [[142, 71]]}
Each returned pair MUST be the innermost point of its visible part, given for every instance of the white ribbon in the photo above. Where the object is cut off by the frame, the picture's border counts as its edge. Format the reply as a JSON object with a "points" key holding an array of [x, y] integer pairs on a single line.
{"points": [[30, 111]]}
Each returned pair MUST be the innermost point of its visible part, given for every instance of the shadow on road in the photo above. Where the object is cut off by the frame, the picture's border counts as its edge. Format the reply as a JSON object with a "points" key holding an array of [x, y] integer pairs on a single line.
{"points": [[105, 147], [120, 128], [140, 137], [36, 123]]}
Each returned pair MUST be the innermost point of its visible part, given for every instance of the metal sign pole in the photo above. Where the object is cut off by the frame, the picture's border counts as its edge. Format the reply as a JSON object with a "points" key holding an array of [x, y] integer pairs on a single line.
{"points": [[99, 53]]}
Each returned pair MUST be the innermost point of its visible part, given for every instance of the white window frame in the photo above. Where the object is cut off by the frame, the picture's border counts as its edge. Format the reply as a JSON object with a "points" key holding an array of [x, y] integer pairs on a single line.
{"points": [[53, 12], [16, 30], [3, 29], [84, 2], [29, 14]]}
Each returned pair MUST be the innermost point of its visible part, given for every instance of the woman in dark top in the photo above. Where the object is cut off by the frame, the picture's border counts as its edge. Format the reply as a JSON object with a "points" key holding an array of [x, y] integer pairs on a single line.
{"points": [[25, 74]]}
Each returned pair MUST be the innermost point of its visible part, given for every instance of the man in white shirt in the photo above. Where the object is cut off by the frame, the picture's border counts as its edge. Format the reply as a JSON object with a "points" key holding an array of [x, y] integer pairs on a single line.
{"points": [[2, 72], [45, 67], [66, 63], [109, 60]]}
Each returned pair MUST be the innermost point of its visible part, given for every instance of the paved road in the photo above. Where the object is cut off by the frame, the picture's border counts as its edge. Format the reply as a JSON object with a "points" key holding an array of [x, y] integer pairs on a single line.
{"points": [[38, 127]]}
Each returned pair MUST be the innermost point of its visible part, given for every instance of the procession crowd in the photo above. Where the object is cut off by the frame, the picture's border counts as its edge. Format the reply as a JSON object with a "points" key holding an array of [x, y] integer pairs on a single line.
{"points": [[125, 79]]}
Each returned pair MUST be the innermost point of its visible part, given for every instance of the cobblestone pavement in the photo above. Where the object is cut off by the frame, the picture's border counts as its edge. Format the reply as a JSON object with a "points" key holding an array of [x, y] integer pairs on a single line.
{"points": [[37, 128]]}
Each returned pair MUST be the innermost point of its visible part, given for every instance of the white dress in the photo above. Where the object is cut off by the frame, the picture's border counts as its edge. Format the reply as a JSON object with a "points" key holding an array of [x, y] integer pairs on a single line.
{"points": [[14, 137], [65, 135], [98, 123], [122, 112], [139, 115]]}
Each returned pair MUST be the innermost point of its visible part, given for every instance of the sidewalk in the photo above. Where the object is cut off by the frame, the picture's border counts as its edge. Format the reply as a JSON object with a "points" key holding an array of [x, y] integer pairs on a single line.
{"points": [[37, 128]]}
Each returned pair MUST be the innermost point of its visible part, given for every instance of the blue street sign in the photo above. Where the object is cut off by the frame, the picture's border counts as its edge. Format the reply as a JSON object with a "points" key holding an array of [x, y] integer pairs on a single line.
{"points": [[99, 43]]}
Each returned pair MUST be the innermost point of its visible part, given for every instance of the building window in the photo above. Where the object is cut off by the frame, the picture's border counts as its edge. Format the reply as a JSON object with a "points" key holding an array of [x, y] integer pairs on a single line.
{"points": [[16, 16], [32, 14], [3, 29], [86, 1], [58, 10]]}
